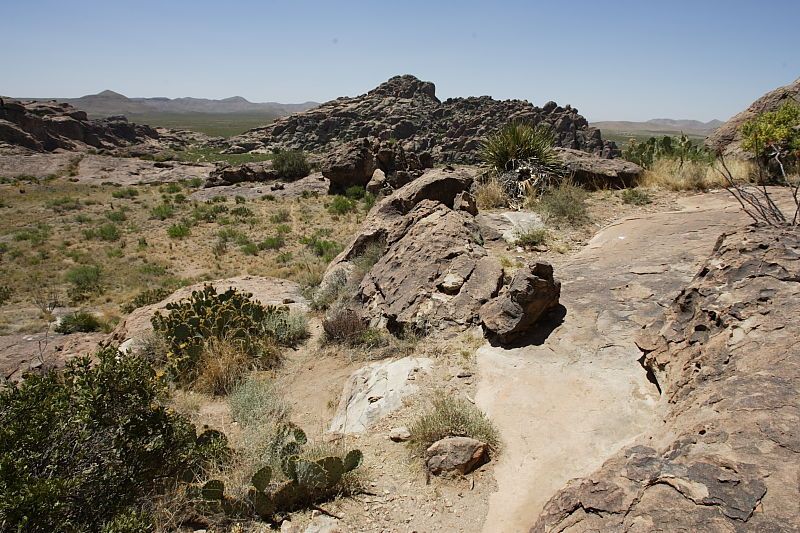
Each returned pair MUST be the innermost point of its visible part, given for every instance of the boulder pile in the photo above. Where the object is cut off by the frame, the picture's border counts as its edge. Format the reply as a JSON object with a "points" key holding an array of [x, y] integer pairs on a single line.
{"points": [[726, 455], [47, 126], [405, 112], [432, 270]]}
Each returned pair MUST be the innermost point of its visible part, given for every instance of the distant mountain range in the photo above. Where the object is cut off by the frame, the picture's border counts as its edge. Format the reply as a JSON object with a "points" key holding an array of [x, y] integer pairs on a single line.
{"points": [[660, 125], [108, 103]]}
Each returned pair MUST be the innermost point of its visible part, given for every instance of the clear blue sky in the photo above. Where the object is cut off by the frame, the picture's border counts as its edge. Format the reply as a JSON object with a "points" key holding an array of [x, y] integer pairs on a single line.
{"points": [[613, 60]]}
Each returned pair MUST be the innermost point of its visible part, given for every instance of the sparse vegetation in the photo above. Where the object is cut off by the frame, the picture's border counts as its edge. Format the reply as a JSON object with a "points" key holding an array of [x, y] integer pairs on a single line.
{"points": [[636, 196], [125, 192], [178, 231], [564, 204], [84, 281], [450, 416], [341, 205], [519, 144], [532, 237]]}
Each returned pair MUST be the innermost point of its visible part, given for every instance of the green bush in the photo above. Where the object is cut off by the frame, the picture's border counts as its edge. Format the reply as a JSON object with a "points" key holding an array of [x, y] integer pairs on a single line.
{"points": [[646, 153], [80, 448], [341, 205], [84, 280], [171, 188], [78, 322], [64, 203], [519, 144], [36, 235], [146, 297], [249, 248], [281, 216], [231, 316], [636, 197], [565, 203], [178, 231], [322, 247], [242, 212], [532, 237], [775, 134], [125, 192], [356, 192], [449, 416], [116, 215], [109, 232], [272, 243], [291, 164], [162, 211]]}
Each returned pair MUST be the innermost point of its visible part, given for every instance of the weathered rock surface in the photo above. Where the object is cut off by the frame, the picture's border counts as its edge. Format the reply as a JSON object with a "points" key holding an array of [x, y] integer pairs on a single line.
{"points": [[313, 183], [41, 351], [727, 455], [593, 171], [456, 454], [531, 293], [376, 390], [245, 173], [47, 126], [268, 291], [405, 111], [727, 139]]}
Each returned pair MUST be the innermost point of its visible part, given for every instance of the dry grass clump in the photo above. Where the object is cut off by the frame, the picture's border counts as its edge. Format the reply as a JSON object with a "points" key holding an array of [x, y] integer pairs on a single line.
{"points": [[450, 416], [489, 194], [673, 175], [564, 204], [224, 364]]}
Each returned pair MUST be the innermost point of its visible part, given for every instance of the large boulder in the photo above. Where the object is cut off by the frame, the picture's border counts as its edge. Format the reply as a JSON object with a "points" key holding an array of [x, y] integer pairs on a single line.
{"points": [[532, 292], [352, 164], [727, 139], [456, 454], [724, 454], [599, 172]]}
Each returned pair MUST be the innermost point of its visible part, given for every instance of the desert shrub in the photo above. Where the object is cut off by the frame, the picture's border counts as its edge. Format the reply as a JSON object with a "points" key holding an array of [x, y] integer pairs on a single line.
{"points": [[449, 416], [272, 243], [249, 248], [178, 231], [355, 192], [125, 192], [224, 364], [238, 199], [671, 174], [78, 322], [636, 197], [370, 255], [287, 329], [116, 215], [108, 232], [283, 229], [341, 205], [518, 144], [84, 280], [284, 258], [64, 203], [323, 248], [170, 188], [490, 194], [344, 326], [36, 235], [565, 203], [208, 212], [291, 164], [255, 402], [242, 212], [5, 294], [681, 148], [146, 297], [774, 137], [162, 211], [281, 216], [531, 237], [230, 316], [369, 201], [81, 447]]}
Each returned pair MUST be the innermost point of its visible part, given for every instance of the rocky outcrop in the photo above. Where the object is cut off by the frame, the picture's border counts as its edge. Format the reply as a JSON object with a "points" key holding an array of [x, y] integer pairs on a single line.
{"points": [[598, 172], [725, 455], [376, 390], [727, 139], [406, 112], [246, 173], [531, 293], [46, 126], [433, 271]]}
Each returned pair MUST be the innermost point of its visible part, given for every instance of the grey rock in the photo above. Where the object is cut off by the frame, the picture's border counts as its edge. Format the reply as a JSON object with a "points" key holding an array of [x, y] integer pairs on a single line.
{"points": [[598, 172]]}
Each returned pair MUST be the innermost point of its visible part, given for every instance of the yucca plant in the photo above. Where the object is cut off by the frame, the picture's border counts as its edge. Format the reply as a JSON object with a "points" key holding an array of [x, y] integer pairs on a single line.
{"points": [[519, 144]]}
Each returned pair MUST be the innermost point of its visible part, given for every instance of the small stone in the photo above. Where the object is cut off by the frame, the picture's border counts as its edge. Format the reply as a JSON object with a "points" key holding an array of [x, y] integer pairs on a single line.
{"points": [[400, 434], [451, 283], [460, 454]]}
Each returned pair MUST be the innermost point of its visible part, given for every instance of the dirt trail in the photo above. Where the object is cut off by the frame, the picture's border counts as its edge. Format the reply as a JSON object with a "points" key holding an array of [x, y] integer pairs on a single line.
{"points": [[567, 402]]}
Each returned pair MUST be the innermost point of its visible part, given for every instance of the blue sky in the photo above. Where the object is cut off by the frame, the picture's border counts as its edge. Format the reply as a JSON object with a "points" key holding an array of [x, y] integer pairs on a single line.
{"points": [[613, 60]]}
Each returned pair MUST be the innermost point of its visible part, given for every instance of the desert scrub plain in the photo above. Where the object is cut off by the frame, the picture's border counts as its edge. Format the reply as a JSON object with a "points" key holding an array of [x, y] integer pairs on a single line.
{"points": [[347, 368]]}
